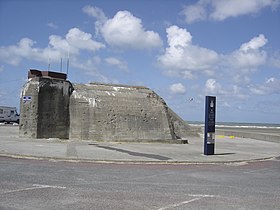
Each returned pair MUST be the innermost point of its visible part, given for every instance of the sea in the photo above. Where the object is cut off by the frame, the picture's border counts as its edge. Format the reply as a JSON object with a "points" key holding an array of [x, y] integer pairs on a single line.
{"points": [[239, 125]]}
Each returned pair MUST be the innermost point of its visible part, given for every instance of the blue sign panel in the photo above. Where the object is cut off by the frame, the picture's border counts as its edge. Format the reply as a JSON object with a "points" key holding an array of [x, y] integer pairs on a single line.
{"points": [[210, 122]]}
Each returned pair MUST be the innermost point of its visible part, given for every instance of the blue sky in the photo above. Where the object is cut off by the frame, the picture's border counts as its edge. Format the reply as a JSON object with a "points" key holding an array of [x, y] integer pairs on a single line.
{"points": [[183, 50]]}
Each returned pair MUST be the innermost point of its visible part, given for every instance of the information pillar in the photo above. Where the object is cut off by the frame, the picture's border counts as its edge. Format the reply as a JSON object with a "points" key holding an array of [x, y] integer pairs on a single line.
{"points": [[209, 127]]}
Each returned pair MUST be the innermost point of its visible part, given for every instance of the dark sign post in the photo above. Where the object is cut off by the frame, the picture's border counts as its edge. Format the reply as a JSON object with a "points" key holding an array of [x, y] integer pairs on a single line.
{"points": [[209, 129]]}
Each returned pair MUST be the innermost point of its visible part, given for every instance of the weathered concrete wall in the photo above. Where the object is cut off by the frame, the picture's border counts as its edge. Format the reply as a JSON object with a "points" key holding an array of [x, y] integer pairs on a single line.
{"points": [[120, 113], [51, 107], [29, 109], [181, 128], [45, 108]]}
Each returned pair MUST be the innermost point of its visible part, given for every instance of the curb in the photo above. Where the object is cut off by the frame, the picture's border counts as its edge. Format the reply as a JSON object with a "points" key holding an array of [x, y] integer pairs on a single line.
{"points": [[131, 162]]}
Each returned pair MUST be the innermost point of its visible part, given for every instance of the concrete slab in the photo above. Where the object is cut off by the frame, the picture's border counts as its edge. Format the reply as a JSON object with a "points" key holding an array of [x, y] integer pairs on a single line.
{"points": [[227, 150]]}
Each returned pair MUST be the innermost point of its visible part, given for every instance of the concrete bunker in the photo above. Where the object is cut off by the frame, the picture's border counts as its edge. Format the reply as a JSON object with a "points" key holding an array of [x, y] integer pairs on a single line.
{"points": [[44, 105], [53, 107]]}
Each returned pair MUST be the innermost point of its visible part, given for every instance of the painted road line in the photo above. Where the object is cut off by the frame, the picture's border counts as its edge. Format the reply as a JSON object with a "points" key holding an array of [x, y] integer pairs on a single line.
{"points": [[203, 196], [35, 187], [198, 197], [220, 136], [179, 204]]}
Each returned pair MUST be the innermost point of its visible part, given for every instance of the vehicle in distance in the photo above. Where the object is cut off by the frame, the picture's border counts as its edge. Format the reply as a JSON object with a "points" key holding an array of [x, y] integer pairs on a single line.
{"points": [[9, 114]]}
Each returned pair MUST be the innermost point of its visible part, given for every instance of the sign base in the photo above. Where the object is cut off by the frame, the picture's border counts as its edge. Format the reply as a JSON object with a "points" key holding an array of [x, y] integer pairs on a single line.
{"points": [[209, 149]]}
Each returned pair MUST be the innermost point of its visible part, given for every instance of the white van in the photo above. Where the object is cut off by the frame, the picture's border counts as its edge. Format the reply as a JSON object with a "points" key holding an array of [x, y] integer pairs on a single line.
{"points": [[9, 114]]}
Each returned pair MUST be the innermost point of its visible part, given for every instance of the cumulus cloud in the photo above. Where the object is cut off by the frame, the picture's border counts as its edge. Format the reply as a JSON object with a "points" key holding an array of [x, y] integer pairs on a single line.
{"points": [[124, 30], [244, 60], [82, 40], [177, 88], [184, 59], [181, 55], [224, 91], [117, 62], [271, 86], [75, 40], [254, 44], [220, 10], [25, 49], [247, 58], [60, 44], [178, 37]]}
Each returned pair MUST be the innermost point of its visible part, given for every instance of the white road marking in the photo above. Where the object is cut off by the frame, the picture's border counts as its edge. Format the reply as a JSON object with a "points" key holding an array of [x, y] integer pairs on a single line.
{"points": [[48, 186], [203, 196], [35, 187], [179, 204], [198, 197]]}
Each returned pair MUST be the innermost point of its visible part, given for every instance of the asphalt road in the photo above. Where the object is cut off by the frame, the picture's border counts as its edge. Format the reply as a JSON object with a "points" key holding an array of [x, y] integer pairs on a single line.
{"points": [[273, 131], [37, 184]]}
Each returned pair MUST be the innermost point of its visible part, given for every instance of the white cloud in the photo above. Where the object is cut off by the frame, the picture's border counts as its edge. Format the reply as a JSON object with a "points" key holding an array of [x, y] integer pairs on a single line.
{"points": [[126, 31], [117, 62], [231, 8], [184, 59], [240, 59], [75, 40], [212, 87], [61, 45], [81, 40], [226, 92], [181, 55], [98, 14], [90, 68], [52, 25], [238, 92], [247, 59], [254, 44], [2, 69], [24, 49], [196, 12], [95, 12], [178, 37], [226, 104], [271, 86], [220, 10], [177, 88]]}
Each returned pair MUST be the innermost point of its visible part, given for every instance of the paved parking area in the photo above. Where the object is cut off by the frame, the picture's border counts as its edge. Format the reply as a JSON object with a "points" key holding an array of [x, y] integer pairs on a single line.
{"points": [[227, 149]]}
